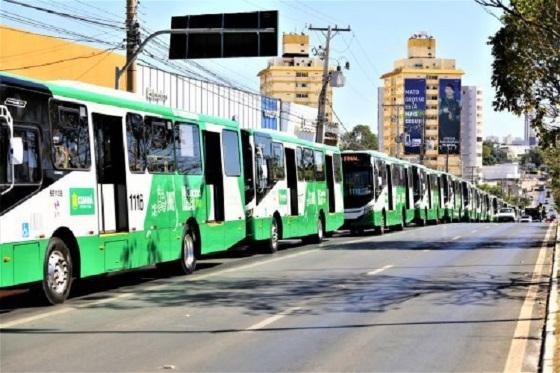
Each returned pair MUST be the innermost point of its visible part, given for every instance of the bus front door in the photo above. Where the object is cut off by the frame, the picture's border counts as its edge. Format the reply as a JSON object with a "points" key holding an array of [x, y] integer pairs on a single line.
{"points": [[111, 188], [111, 173], [214, 191], [330, 183]]}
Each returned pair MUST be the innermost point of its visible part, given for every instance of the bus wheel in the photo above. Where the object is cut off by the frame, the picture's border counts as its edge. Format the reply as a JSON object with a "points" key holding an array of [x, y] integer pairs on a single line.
{"points": [[57, 272], [188, 256], [272, 243], [318, 237]]}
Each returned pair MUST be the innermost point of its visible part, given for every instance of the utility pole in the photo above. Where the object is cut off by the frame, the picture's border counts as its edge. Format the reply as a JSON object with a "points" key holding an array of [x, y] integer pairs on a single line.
{"points": [[132, 39], [321, 112], [398, 133]]}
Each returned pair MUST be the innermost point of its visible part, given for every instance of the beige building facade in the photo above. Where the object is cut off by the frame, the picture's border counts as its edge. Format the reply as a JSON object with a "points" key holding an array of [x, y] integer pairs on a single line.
{"points": [[295, 77], [421, 63]]}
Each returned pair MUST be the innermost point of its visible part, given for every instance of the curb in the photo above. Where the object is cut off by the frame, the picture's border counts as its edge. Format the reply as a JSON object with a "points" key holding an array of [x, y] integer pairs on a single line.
{"points": [[550, 329]]}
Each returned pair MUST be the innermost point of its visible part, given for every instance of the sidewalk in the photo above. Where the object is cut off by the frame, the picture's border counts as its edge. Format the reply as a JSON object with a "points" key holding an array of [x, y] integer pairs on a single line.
{"points": [[551, 351]]}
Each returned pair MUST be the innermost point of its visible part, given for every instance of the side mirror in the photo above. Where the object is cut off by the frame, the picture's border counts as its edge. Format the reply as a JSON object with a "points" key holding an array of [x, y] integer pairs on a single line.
{"points": [[16, 145]]}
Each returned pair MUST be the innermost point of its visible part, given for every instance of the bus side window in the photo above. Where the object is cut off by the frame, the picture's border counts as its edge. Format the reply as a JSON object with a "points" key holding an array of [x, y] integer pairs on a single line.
{"points": [[187, 149], [29, 171], [319, 165], [278, 168], [70, 135], [300, 164], [337, 168], [231, 153], [136, 142], [160, 157], [309, 164]]}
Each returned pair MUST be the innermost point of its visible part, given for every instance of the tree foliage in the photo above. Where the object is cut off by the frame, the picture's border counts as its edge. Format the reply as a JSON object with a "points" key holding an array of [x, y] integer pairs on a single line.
{"points": [[551, 157], [360, 138], [492, 154], [534, 156], [526, 67]]}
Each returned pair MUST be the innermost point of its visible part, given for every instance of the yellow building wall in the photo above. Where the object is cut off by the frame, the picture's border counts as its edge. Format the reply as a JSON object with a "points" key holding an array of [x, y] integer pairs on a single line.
{"points": [[280, 82], [394, 94], [38, 57]]}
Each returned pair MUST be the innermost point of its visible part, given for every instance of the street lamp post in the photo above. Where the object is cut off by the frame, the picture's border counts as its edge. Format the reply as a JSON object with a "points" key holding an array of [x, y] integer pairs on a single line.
{"points": [[183, 31]]}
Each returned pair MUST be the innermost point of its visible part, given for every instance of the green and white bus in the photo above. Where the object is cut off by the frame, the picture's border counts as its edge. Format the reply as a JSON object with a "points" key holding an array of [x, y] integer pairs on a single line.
{"points": [[377, 191], [94, 180], [428, 195], [293, 188]]}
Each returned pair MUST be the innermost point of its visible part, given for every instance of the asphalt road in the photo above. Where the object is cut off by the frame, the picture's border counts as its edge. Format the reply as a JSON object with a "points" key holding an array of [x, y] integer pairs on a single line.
{"points": [[440, 298]]}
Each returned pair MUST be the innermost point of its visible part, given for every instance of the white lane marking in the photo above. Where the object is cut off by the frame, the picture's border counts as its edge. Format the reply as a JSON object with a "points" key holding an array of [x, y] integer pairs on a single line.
{"points": [[553, 303], [455, 238], [474, 231], [518, 347], [379, 270], [271, 319], [66, 309], [59, 311], [426, 250]]}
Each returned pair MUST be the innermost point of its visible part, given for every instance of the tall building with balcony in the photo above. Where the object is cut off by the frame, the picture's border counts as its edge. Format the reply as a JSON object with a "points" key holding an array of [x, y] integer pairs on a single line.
{"points": [[421, 63], [295, 77], [471, 132]]}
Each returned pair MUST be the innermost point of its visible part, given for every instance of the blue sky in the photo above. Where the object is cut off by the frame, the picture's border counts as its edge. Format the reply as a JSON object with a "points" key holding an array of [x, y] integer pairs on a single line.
{"points": [[380, 30]]}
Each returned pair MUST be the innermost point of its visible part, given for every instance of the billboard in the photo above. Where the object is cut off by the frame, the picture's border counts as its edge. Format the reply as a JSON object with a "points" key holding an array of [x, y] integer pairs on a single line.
{"points": [[270, 109], [414, 114], [223, 44], [449, 116]]}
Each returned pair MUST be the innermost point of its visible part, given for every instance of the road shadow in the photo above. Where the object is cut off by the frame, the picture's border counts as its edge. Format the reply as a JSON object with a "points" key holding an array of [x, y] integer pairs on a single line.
{"points": [[95, 287]]}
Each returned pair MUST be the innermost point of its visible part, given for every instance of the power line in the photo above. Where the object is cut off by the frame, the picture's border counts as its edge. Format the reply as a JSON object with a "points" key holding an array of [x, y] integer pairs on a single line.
{"points": [[65, 15], [60, 61]]}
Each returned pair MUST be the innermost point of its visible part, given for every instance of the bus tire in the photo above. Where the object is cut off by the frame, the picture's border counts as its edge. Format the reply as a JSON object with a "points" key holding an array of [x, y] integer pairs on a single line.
{"points": [[402, 224], [271, 245], [423, 220], [187, 263], [320, 235], [57, 272], [380, 230]]}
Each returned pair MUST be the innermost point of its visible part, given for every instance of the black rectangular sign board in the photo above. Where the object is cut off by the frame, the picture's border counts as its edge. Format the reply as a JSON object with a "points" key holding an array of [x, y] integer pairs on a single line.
{"points": [[224, 45]]}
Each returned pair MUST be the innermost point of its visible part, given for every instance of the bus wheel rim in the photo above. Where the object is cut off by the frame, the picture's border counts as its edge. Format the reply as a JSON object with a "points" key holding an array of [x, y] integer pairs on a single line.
{"points": [[188, 248], [58, 273]]}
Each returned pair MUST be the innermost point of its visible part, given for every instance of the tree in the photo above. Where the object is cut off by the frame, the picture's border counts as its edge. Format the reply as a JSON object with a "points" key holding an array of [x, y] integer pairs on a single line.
{"points": [[360, 138], [526, 67], [492, 154], [534, 156]]}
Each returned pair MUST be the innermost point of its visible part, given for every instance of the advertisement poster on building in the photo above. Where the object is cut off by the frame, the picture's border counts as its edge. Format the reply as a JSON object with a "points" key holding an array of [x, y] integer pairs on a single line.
{"points": [[414, 114], [449, 116]]}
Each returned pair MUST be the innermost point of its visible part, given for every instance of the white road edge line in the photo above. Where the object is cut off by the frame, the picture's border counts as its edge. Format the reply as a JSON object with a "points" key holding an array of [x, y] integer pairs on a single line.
{"points": [[551, 327], [115, 297], [271, 319], [455, 238], [518, 347], [379, 270]]}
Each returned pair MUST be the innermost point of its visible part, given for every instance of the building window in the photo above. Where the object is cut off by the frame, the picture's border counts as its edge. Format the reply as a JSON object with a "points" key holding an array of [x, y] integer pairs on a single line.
{"points": [[302, 95], [300, 74]]}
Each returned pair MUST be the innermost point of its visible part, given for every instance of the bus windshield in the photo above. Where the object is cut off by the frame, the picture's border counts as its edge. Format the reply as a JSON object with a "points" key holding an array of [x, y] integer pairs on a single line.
{"points": [[358, 180]]}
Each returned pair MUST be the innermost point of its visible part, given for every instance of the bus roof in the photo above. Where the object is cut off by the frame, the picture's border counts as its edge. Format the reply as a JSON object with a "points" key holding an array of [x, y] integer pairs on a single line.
{"points": [[106, 96], [283, 136]]}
